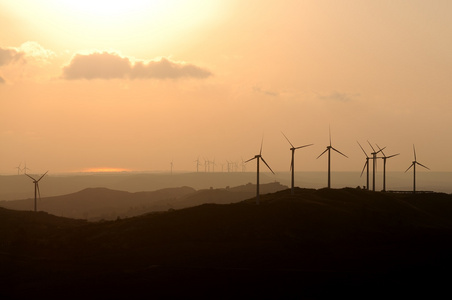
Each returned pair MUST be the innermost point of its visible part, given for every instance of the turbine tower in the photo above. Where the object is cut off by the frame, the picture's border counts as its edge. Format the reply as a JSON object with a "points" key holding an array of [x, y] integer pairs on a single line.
{"points": [[374, 164], [259, 157], [328, 148], [384, 166], [413, 164], [292, 163], [366, 166], [36, 182]]}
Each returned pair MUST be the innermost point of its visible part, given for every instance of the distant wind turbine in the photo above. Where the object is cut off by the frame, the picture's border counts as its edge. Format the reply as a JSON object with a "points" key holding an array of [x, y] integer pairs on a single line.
{"points": [[197, 164], [374, 167], [171, 163], [213, 165], [25, 168], [366, 166], [36, 182], [292, 163], [259, 157], [384, 166], [413, 164], [18, 169], [328, 148]]}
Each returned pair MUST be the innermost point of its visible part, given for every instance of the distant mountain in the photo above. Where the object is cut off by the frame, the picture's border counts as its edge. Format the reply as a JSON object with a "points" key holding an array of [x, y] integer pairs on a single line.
{"points": [[101, 203], [314, 244]]}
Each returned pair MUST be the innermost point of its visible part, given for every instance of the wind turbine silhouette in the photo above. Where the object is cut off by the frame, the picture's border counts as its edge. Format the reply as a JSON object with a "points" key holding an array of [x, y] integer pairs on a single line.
{"points": [[259, 157], [328, 148], [197, 164], [292, 163], [384, 166], [413, 164], [25, 168], [374, 167], [366, 166], [36, 182], [18, 169]]}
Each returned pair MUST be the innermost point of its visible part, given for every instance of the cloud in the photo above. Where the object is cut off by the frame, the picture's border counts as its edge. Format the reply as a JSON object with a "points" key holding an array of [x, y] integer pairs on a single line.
{"points": [[340, 97], [2, 81], [36, 51], [109, 65], [9, 55], [265, 92], [26, 51]]}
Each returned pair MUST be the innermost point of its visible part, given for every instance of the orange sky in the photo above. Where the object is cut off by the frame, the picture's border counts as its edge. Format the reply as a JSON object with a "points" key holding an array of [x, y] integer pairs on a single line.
{"points": [[137, 84]]}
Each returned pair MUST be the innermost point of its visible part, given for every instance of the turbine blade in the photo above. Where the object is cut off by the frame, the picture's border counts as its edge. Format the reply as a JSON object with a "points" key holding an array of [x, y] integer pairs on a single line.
{"points": [[304, 146], [262, 143], [371, 146], [245, 161], [323, 152], [381, 150], [42, 176], [39, 192], [362, 149], [365, 165], [339, 152], [409, 167], [30, 176], [287, 139], [267, 165], [329, 129], [423, 166], [414, 150], [392, 155]]}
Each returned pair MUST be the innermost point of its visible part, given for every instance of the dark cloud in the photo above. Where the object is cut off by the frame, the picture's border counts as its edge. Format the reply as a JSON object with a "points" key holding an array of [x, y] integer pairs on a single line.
{"points": [[9, 55], [107, 65], [2, 81]]}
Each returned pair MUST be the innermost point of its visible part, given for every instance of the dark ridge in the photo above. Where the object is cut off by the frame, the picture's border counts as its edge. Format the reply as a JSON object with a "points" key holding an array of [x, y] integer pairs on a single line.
{"points": [[314, 244]]}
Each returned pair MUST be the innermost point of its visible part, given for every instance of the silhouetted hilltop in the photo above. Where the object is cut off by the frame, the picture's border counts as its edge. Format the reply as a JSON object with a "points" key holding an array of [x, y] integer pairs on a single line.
{"points": [[101, 203], [314, 244]]}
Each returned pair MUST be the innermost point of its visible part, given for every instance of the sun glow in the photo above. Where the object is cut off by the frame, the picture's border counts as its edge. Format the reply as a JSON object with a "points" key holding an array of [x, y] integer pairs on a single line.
{"points": [[123, 25], [105, 170]]}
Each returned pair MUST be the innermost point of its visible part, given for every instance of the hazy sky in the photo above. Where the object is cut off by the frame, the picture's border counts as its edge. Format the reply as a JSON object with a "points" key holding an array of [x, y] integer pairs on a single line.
{"points": [[138, 84]]}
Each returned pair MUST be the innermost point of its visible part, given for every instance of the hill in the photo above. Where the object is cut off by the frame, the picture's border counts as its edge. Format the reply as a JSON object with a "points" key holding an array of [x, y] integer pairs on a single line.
{"points": [[96, 204], [314, 244]]}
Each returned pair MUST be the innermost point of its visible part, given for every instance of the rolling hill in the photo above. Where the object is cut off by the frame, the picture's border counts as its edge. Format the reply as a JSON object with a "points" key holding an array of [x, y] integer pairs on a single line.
{"points": [[96, 204], [314, 244]]}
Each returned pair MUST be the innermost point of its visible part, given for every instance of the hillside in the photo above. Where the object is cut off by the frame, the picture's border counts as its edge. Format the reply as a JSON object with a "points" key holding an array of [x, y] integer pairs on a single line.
{"points": [[96, 204], [314, 244]]}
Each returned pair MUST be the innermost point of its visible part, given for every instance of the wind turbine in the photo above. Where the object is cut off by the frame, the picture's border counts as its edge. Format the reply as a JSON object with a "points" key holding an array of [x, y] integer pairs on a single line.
{"points": [[213, 165], [36, 182], [18, 169], [25, 168], [197, 164], [259, 157], [328, 148], [366, 165], [171, 163], [413, 164], [292, 163], [384, 166], [374, 167]]}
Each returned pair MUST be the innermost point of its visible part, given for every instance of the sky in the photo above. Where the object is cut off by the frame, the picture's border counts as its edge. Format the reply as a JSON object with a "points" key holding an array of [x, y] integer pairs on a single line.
{"points": [[135, 85]]}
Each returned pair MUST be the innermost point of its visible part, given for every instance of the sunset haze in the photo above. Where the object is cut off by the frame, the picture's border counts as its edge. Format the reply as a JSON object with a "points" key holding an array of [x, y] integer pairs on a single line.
{"points": [[137, 85]]}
